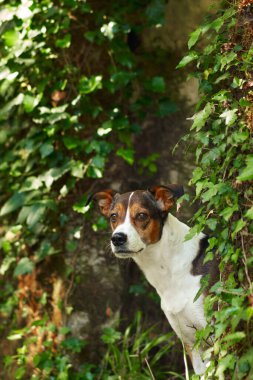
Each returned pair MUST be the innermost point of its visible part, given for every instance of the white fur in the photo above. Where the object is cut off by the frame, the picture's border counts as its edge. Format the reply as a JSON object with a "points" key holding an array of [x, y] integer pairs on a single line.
{"points": [[167, 266]]}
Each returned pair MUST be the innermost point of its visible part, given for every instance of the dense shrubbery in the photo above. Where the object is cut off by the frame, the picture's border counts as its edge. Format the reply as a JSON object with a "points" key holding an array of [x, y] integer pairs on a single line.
{"points": [[73, 92], [222, 128]]}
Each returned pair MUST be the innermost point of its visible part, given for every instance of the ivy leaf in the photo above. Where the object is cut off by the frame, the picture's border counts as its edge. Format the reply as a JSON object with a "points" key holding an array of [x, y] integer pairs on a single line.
{"points": [[5, 110], [31, 183], [238, 226], [24, 266], [244, 102], [46, 149], [228, 212], [88, 85], [204, 282], [217, 24], [239, 137], [247, 172], [71, 142], [55, 173], [187, 59], [230, 116], [127, 154], [194, 36], [13, 203], [197, 174], [200, 118], [30, 102], [192, 232], [249, 213], [105, 128], [210, 193], [98, 161], [212, 223], [64, 42], [81, 206], [36, 213]]}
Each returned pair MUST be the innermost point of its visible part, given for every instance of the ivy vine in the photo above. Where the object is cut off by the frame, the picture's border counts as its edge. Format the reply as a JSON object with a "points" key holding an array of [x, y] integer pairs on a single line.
{"points": [[221, 53]]}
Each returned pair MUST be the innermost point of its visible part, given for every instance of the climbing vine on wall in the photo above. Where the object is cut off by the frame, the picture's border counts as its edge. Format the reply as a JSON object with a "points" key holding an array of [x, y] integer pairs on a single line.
{"points": [[221, 52]]}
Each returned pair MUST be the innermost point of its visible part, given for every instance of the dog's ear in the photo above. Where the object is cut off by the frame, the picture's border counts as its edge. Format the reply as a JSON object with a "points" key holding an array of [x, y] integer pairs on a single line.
{"points": [[104, 199], [166, 195]]}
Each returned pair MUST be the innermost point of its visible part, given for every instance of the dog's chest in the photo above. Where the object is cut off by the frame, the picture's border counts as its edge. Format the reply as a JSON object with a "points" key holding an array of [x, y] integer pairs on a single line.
{"points": [[176, 289], [177, 292]]}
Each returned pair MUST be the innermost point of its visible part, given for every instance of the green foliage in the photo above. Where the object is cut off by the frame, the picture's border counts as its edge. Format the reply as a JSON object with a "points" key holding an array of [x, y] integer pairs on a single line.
{"points": [[72, 94], [222, 130], [135, 354]]}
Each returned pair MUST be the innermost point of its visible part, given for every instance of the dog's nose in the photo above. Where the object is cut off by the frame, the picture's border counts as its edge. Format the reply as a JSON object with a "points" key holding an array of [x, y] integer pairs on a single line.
{"points": [[119, 239]]}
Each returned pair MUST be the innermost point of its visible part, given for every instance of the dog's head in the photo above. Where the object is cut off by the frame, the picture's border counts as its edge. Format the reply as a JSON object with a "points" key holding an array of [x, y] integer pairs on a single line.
{"points": [[137, 217]]}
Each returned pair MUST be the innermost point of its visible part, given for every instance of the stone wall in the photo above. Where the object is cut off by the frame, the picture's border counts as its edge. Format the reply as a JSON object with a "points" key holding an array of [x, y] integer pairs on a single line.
{"points": [[100, 294]]}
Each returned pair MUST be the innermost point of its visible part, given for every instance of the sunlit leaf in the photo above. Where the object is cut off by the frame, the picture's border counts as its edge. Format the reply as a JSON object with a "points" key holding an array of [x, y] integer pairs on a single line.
{"points": [[200, 118], [88, 85], [194, 36], [249, 213], [109, 30], [247, 173], [126, 154], [30, 102], [187, 59], [11, 37], [64, 42]]}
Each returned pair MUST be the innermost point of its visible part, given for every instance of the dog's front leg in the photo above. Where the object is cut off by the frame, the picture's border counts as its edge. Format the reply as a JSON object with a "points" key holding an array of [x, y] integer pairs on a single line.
{"points": [[198, 364]]}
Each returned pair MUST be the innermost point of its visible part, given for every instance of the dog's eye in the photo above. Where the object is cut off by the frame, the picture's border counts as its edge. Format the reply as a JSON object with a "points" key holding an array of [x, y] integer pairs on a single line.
{"points": [[113, 218], [142, 217]]}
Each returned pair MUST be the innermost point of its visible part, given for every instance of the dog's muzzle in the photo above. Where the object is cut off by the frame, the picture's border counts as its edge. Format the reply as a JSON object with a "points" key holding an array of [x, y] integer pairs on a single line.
{"points": [[120, 247]]}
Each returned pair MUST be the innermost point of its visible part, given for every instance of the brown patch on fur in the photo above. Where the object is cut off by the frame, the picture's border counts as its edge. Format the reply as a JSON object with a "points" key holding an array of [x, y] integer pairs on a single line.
{"points": [[164, 196], [119, 210], [150, 228], [104, 199]]}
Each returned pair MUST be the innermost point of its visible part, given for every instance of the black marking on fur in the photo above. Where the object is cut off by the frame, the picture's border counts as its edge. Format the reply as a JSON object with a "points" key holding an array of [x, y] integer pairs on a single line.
{"points": [[209, 268], [198, 266]]}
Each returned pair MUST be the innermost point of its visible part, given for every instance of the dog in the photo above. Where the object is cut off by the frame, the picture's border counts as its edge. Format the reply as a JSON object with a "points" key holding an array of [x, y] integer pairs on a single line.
{"points": [[145, 231]]}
